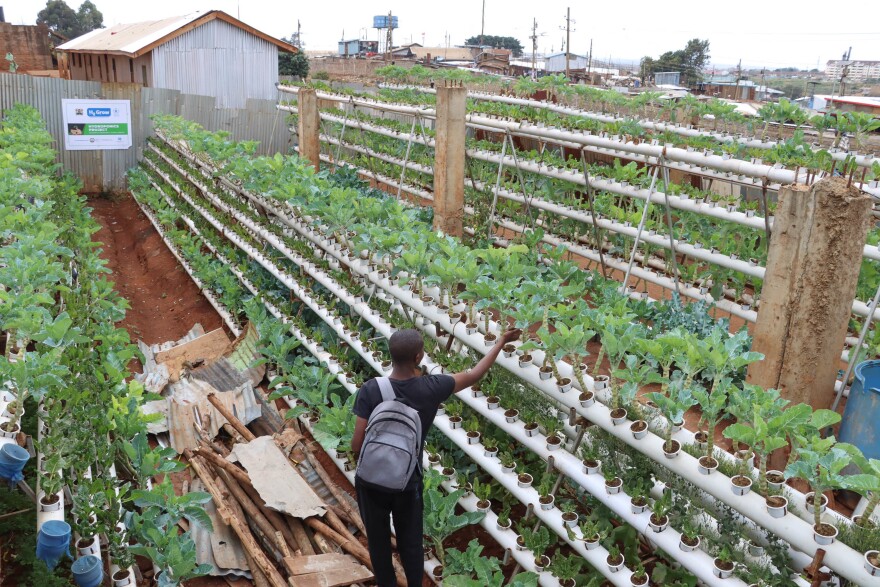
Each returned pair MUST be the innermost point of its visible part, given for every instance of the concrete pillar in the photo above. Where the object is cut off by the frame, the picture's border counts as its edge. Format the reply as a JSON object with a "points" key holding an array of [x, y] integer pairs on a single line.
{"points": [[309, 128], [812, 269], [449, 160]]}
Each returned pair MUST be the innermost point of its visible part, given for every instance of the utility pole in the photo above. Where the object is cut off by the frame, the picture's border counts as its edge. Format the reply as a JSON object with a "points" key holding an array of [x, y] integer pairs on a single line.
{"points": [[534, 38], [764, 83], [567, 48], [590, 59], [567, 40], [483, 26], [738, 75], [388, 37]]}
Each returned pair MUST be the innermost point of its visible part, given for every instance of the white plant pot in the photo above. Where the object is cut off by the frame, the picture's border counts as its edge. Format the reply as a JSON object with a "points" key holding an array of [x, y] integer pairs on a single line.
{"points": [[591, 544], [687, 547], [722, 573], [808, 505], [549, 505], [740, 489], [591, 469], [822, 539], [872, 568], [92, 547], [123, 578], [778, 511]]}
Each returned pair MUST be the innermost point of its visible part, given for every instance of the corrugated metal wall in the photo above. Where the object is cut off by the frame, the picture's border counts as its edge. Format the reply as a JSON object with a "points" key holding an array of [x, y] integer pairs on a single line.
{"points": [[218, 59], [105, 170]]}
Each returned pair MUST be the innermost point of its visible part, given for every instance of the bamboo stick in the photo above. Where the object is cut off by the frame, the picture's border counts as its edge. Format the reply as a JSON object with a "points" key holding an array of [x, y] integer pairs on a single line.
{"points": [[232, 516], [336, 491], [275, 518], [230, 417]]}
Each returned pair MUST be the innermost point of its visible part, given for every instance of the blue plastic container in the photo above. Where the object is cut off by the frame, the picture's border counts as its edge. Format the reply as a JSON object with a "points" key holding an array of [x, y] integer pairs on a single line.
{"points": [[862, 414], [53, 542], [12, 460], [87, 571]]}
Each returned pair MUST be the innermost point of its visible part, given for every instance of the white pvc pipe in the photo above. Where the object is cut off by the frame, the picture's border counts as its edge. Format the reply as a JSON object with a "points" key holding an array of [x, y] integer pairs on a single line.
{"points": [[576, 177], [383, 328], [648, 124], [776, 175], [797, 532]]}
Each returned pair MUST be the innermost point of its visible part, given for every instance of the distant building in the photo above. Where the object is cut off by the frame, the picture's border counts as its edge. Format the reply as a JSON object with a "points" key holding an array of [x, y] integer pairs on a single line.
{"points": [[494, 61], [667, 78], [29, 46], [357, 47], [205, 53], [744, 90], [556, 62], [858, 71], [767, 94], [442, 53]]}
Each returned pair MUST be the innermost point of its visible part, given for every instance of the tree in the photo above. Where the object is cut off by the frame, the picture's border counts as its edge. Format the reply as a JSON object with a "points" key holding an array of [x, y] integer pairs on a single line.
{"points": [[296, 64], [62, 20], [497, 42], [689, 61]]}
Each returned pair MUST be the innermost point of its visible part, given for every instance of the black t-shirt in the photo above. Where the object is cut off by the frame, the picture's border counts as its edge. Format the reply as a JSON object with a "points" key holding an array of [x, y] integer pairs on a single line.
{"points": [[423, 394]]}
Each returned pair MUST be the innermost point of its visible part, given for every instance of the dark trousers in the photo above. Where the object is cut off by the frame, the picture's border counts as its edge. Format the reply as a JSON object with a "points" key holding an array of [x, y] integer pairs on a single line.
{"points": [[405, 508]]}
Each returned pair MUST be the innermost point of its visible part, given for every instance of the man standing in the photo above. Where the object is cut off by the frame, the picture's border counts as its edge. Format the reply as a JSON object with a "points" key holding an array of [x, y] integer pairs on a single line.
{"points": [[424, 394]]}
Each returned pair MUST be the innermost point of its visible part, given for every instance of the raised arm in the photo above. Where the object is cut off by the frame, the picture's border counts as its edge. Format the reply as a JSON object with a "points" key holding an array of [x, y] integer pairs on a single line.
{"points": [[469, 378]]}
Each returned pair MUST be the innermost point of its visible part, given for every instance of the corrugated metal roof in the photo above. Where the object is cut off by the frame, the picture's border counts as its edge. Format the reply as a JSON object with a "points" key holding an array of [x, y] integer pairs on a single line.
{"points": [[129, 38], [135, 39]]}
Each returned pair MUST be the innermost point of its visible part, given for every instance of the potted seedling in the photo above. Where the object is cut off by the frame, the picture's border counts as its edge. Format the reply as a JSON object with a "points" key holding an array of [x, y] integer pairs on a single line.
{"points": [[552, 430], [659, 520], [509, 400], [483, 491], [591, 533], [673, 406], [569, 513], [537, 540], [635, 374], [490, 447], [447, 464], [462, 482], [762, 425], [614, 559], [723, 565], [589, 459], [524, 478], [613, 483], [820, 464], [508, 464], [712, 404], [503, 521], [473, 430], [566, 568], [867, 483], [433, 454], [530, 418], [441, 519], [545, 489], [639, 576], [453, 410], [690, 536], [571, 341]]}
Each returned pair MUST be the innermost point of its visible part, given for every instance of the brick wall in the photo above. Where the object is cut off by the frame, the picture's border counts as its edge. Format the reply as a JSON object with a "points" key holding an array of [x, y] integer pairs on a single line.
{"points": [[28, 44]]}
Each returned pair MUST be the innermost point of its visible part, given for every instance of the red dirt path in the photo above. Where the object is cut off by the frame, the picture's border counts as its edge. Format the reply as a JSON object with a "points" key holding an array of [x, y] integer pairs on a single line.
{"points": [[165, 303]]}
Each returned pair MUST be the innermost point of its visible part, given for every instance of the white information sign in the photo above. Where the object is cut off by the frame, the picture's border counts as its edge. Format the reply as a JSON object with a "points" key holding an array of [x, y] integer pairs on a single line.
{"points": [[95, 125]]}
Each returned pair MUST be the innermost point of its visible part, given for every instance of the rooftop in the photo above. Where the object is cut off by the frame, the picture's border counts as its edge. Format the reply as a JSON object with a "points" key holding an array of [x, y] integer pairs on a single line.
{"points": [[139, 38]]}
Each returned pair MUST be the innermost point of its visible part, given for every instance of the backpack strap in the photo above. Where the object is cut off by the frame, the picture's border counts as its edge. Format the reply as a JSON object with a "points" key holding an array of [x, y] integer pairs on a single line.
{"points": [[386, 389]]}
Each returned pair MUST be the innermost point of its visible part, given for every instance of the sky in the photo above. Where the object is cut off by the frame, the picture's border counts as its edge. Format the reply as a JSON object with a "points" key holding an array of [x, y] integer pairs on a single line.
{"points": [[765, 33]]}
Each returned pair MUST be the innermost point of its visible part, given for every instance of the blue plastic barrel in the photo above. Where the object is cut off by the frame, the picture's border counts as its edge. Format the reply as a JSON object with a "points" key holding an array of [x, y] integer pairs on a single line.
{"points": [[862, 413], [53, 542], [12, 460], [88, 571]]}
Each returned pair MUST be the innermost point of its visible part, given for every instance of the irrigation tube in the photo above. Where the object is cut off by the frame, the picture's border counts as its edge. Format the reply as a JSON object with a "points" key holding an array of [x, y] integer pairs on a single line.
{"points": [[476, 455], [648, 124], [553, 518], [772, 173], [657, 240], [642, 273], [794, 530], [608, 185]]}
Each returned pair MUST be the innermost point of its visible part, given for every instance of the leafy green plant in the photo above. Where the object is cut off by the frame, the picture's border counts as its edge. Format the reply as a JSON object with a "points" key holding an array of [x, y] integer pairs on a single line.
{"points": [[673, 406], [441, 519], [820, 464]]}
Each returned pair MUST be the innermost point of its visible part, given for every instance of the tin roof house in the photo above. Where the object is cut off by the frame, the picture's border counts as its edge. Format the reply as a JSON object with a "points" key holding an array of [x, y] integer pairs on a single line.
{"points": [[204, 53]]}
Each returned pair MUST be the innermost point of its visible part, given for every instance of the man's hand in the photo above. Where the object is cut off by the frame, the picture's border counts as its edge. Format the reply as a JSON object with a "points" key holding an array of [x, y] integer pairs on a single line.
{"points": [[510, 336], [468, 378]]}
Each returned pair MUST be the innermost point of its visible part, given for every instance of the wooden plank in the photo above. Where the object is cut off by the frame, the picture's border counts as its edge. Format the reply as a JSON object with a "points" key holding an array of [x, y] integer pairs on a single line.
{"points": [[329, 570], [207, 347]]}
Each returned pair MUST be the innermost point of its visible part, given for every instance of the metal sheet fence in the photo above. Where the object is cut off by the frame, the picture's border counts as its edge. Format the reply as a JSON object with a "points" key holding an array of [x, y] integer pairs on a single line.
{"points": [[104, 171]]}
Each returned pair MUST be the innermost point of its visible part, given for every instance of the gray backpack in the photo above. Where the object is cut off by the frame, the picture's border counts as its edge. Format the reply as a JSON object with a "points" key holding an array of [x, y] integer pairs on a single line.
{"points": [[392, 443]]}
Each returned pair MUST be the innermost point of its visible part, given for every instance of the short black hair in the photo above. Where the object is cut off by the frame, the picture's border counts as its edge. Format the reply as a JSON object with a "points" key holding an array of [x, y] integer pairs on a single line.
{"points": [[405, 345]]}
